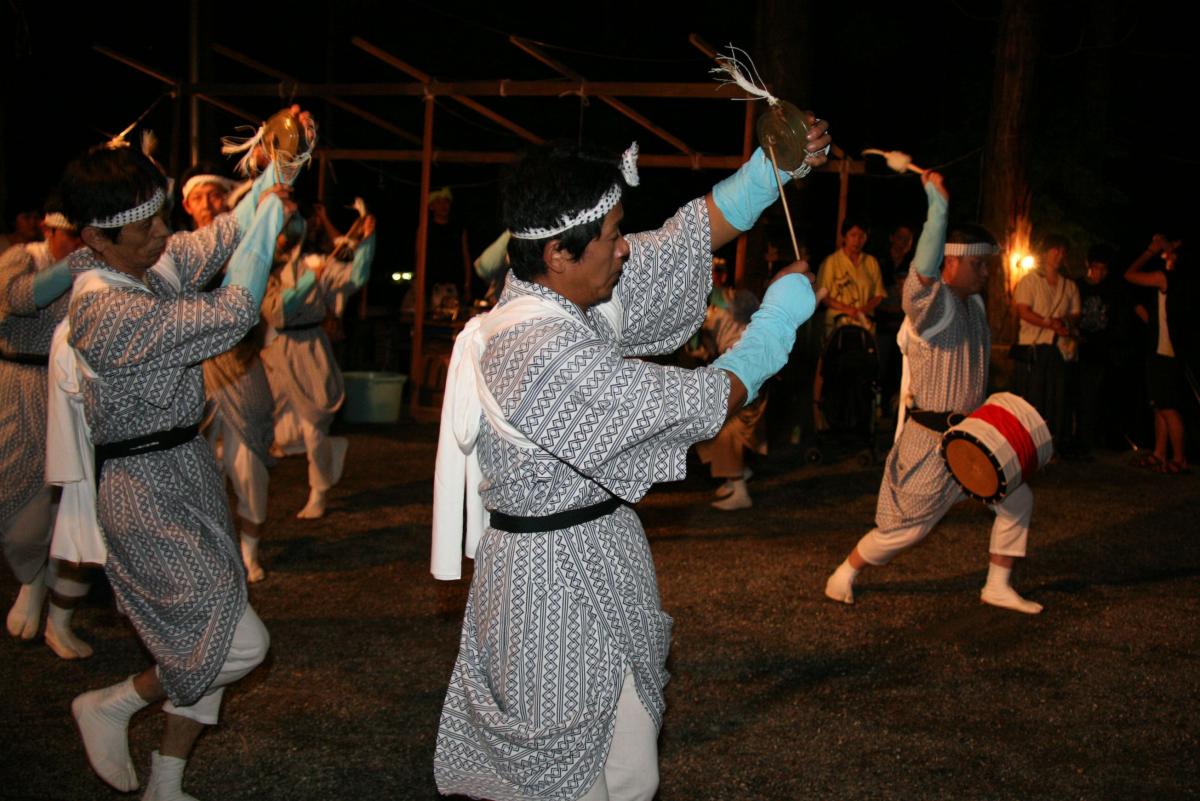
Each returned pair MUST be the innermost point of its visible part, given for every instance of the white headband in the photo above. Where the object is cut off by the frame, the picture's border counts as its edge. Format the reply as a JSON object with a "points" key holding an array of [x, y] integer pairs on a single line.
{"points": [[136, 214], [603, 206], [200, 180], [56, 219], [973, 249]]}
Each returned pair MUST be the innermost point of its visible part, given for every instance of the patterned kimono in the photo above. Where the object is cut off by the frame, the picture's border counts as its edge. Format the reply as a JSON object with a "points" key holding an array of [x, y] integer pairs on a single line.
{"points": [[301, 368], [555, 619], [27, 330], [172, 560], [948, 368]]}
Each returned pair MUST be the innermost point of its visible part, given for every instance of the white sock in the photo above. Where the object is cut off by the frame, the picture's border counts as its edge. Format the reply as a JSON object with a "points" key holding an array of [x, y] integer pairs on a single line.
{"points": [[166, 779], [60, 637], [840, 586], [738, 498], [103, 717], [997, 591], [315, 507], [25, 616], [254, 571]]}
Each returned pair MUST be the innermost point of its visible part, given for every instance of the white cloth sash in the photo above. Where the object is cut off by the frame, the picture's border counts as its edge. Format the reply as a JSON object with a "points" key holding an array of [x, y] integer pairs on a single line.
{"points": [[467, 397], [70, 454]]}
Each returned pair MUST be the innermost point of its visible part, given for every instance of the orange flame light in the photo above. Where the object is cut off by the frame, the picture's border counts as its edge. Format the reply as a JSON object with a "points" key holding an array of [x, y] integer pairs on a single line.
{"points": [[1019, 260]]}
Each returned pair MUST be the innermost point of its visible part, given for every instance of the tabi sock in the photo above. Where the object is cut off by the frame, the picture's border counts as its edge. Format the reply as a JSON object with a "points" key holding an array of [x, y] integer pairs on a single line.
{"points": [[997, 591], [166, 779], [739, 498], [61, 638], [103, 717], [840, 586], [25, 616]]}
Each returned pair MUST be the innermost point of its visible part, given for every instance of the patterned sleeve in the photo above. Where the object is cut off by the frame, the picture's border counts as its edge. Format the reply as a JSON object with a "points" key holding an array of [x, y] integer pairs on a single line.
{"points": [[607, 416], [663, 291], [926, 306], [16, 283], [122, 331], [199, 255]]}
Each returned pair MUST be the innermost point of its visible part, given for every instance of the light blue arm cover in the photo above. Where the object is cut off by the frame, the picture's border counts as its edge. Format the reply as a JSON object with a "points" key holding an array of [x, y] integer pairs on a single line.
{"points": [[742, 196], [244, 211], [250, 264], [51, 282], [293, 297], [927, 260], [765, 344], [364, 257]]}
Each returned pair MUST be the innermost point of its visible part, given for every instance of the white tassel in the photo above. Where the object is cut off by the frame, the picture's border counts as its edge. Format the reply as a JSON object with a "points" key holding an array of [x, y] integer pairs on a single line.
{"points": [[237, 144], [900, 162], [736, 70]]}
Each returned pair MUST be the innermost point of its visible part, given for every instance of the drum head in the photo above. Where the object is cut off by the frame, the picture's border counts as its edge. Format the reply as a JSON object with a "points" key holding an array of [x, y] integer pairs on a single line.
{"points": [[972, 467]]}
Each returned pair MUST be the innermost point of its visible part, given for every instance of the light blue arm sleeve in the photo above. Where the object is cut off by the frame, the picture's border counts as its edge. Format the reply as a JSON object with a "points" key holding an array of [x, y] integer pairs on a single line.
{"points": [[927, 259], [491, 261], [742, 196], [250, 264], [51, 282], [244, 211], [765, 344], [293, 297], [364, 257]]}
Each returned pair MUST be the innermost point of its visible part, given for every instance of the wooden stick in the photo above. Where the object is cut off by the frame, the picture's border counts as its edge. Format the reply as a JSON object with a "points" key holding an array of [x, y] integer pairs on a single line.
{"points": [[787, 213]]}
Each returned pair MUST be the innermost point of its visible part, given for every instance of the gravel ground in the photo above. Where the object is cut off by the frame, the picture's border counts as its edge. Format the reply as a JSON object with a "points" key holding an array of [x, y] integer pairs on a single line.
{"points": [[918, 692]]}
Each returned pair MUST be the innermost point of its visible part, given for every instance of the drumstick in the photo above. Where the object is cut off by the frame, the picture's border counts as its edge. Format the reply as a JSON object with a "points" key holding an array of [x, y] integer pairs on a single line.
{"points": [[786, 211]]}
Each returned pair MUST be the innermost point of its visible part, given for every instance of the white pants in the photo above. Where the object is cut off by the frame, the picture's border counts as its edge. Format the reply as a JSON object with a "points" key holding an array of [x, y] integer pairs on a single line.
{"points": [[246, 472], [249, 648], [631, 768], [1010, 532], [322, 472]]}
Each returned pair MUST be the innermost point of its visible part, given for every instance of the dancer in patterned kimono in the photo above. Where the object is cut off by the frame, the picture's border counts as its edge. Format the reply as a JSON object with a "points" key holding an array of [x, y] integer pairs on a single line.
{"points": [[946, 343], [241, 422], [34, 284], [557, 692], [139, 327], [303, 291]]}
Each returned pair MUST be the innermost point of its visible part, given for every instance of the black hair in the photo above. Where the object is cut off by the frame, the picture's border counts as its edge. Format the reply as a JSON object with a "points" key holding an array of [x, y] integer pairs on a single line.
{"points": [[1055, 242], [105, 181], [552, 181], [1101, 253], [855, 222], [970, 234]]}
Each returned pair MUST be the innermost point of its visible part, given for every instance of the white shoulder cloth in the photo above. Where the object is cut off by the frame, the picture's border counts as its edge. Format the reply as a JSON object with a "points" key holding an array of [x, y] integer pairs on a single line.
{"points": [[467, 398]]}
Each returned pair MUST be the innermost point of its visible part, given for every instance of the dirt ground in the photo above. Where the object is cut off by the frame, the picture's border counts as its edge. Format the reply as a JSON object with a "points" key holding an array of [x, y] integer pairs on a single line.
{"points": [[918, 692]]}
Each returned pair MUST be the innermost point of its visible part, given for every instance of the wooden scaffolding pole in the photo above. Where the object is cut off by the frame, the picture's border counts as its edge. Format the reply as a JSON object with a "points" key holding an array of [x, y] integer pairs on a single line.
{"points": [[415, 372]]}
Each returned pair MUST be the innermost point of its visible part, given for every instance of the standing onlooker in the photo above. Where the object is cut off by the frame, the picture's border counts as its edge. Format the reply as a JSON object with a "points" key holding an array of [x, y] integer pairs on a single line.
{"points": [[1048, 306], [1165, 369], [1099, 319]]}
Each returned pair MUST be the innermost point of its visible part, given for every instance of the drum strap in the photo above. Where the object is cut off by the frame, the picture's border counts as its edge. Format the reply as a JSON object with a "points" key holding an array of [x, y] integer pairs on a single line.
{"points": [[941, 422], [1012, 430]]}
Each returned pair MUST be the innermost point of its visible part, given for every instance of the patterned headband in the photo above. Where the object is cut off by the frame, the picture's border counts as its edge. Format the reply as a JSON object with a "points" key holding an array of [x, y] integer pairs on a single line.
{"points": [[56, 219], [604, 205], [136, 214], [972, 249], [205, 178]]}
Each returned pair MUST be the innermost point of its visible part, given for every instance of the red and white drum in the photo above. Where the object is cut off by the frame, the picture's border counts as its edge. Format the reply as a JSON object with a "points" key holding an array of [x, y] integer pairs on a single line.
{"points": [[997, 447]]}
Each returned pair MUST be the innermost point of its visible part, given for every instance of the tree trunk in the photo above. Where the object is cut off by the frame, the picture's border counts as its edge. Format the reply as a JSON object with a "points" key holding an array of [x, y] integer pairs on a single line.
{"points": [[1005, 206]]}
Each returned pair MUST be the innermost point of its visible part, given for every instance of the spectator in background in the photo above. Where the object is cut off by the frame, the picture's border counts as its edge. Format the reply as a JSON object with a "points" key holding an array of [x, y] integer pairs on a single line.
{"points": [[1048, 307], [23, 228], [1158, 267], [1099, 320], [852, 278]]}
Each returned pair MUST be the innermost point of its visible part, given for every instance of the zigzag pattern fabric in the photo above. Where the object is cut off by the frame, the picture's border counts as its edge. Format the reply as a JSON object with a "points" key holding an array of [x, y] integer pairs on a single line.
{"points": [[172, 559], [24, 329], [554, 619]]}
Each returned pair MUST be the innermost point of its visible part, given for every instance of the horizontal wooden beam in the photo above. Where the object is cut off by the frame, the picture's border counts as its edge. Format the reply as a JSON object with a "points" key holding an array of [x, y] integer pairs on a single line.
{"points": [[488, 88]]}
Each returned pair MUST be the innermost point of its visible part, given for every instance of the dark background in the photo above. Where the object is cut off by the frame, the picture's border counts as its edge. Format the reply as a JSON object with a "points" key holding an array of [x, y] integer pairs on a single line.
{"points": [[1112, 156]]}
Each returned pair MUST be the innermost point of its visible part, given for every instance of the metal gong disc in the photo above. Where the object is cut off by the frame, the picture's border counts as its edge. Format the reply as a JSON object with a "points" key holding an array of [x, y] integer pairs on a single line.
{"points": [[284, 135], [782, 129]]}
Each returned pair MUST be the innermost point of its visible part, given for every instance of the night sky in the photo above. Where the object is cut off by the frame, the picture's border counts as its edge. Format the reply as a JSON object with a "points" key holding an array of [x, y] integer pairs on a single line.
{"points": [[1110, 167]]}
